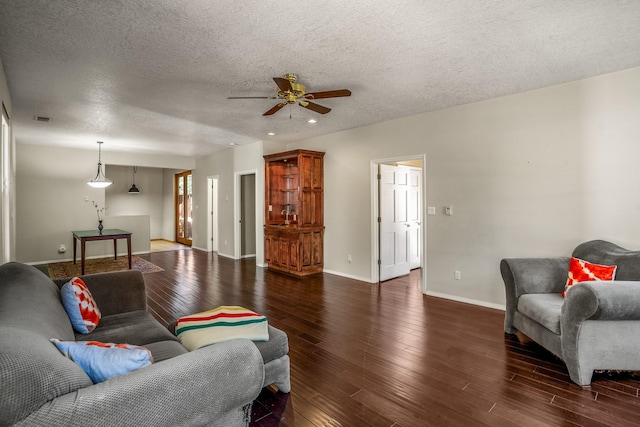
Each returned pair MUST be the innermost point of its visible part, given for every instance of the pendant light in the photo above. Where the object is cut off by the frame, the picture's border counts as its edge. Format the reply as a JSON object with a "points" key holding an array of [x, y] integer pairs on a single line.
{"points": [[100, 181], [134, 189]]}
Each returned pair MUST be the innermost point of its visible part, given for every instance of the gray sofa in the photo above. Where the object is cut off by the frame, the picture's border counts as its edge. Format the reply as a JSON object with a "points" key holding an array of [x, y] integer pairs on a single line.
{"points": [[595, 327], [212, 386]]}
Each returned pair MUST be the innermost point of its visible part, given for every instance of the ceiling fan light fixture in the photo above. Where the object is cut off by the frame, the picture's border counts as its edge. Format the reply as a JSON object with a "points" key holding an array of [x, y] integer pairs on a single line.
{"points": [[100, 181]]}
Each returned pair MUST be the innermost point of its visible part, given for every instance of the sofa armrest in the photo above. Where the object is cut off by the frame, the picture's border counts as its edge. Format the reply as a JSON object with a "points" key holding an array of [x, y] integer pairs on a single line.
{"points": [[203, 387], [116, 292], [530, 276]]}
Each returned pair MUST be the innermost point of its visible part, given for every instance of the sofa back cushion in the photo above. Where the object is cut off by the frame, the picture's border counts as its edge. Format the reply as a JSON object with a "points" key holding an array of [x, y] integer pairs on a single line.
{"points": [[607, 253], [33, 372], [29, 300]]}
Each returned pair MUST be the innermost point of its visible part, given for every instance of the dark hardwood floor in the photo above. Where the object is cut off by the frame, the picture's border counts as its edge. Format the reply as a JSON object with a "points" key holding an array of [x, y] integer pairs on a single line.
{"points": [[386, 355]]}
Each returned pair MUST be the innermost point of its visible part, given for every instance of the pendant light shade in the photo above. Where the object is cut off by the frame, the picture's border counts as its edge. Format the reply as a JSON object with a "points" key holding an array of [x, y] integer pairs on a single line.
{"points": [[134, 189], [100, 181]]}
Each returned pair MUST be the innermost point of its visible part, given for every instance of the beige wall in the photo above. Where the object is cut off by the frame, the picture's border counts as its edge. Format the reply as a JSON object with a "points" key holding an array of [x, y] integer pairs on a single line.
{"points": [[228, 165], [50, 201], [531, 174]]}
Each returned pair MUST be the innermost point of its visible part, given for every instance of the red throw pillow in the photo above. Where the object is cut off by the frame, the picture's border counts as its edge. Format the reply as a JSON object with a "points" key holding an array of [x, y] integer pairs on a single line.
{"points": [[583, 271]]}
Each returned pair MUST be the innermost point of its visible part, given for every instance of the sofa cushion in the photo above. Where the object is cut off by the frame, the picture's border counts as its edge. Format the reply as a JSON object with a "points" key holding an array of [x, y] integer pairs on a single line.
{"points": [[79, 304], [32, 373], [163, 350], [543, 308], [102, 361], [275, 347], [135, 327], [31, 301], [584, 271]]}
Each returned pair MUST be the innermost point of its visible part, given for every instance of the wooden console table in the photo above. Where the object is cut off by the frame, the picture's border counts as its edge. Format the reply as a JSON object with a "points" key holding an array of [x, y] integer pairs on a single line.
{"points": [[109, 234]]}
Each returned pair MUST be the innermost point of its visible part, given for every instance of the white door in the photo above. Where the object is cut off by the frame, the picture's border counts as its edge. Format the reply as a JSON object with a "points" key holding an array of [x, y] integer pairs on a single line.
{"points": [[394, 221], [415, 242]]}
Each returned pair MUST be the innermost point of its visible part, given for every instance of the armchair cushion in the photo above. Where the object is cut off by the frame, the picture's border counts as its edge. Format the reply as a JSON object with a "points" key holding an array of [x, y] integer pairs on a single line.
{"points": [[543, 308], [584, 271]]}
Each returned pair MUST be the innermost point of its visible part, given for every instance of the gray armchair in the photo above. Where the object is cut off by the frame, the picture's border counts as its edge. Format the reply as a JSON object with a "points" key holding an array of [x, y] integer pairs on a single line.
{"points": [[595, 327]]}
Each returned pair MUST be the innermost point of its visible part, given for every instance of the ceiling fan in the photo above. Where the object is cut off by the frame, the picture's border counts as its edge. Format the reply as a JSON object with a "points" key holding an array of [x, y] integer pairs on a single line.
{"points": [[290, 92]]}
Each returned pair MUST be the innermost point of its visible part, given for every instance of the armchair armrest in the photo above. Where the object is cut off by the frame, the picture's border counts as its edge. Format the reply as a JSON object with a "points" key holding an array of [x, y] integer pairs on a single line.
{"points": [[594, 301], [203, 387], [601, 300], [115, 292], [530, 276]]}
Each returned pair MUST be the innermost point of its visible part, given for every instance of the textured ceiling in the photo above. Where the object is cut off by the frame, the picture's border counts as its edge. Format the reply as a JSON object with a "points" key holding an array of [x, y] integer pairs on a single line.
{"points": [[153, 75]]}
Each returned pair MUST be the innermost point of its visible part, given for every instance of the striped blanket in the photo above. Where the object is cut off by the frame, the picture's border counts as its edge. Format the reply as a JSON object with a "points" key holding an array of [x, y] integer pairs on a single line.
{"points": [[221, 324]]}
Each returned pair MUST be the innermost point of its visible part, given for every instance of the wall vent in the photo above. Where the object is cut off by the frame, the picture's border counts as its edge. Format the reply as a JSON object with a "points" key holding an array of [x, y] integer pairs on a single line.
{"points": [[42, 119]]}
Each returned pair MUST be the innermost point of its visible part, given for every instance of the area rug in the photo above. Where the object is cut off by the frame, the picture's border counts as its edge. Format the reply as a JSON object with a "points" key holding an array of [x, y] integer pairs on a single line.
{"points": [[60, 270]]}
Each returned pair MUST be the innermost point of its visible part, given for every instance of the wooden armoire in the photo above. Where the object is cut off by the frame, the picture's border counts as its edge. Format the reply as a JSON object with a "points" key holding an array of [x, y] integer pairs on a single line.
{"points": [[294, 212]]}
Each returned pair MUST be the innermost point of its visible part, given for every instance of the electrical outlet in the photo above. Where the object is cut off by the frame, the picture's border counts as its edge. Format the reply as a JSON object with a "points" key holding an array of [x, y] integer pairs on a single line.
{"points": [[457, 275], [349, 258], [62, 249]]}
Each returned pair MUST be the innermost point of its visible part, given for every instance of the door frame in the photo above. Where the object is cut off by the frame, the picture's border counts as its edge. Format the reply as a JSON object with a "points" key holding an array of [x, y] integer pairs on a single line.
{"points": [[375, 234], [213, 183], [182, 174], [237, 201]]}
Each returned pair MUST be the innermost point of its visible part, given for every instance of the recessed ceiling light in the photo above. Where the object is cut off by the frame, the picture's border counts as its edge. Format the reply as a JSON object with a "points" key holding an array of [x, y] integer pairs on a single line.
{"points": [[312, 121], [232, 144], [271, 133]]}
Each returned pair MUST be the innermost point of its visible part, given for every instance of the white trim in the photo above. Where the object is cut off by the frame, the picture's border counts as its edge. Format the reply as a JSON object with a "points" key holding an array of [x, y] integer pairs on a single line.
{"points": [[467, 300], [237, 206], [213, 183], [222, 254], [374, 217], [349, 276], [53, 261]]}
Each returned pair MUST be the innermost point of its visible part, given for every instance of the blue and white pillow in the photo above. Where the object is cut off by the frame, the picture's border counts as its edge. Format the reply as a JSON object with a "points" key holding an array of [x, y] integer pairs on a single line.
{"points": [[80, 306], [102, 361]]}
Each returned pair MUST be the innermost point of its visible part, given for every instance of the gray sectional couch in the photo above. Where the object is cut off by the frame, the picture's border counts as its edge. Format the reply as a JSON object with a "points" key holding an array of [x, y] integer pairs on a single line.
{"points": [[595, 327], [212, 386]]}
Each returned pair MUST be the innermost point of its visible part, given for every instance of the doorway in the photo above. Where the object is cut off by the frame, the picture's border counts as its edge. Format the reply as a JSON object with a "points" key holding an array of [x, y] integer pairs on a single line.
{"points": [[183, 205], [245, 212], [248, 216], [398, 226], [212, 222]]}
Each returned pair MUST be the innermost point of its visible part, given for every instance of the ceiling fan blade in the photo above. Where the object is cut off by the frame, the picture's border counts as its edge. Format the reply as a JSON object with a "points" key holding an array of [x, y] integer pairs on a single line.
{"points": [[275, 109], [328, 94], [315, 107], [252, 97], [283, 84]]}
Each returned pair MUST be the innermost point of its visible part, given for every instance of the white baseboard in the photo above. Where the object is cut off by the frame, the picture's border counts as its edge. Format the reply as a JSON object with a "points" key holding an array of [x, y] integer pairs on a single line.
{"points": [[78, 258], [467, 300], [348, 276], [226, 255]]}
